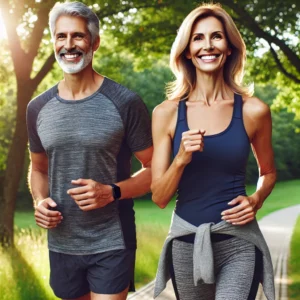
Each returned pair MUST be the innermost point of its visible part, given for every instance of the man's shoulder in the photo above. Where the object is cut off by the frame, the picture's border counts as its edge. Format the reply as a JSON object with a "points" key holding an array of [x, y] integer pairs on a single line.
{"points": [[117, 92], [39, 101]]}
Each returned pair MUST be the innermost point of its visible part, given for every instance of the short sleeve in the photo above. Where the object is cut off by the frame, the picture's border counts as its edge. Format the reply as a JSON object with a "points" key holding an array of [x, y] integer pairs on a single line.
{"points": [[35, 144], [138, 125]]}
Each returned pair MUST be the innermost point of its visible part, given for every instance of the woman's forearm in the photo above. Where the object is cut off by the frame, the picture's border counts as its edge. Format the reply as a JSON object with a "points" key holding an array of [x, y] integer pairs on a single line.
{"points": [[264, 187], [165, 187]]}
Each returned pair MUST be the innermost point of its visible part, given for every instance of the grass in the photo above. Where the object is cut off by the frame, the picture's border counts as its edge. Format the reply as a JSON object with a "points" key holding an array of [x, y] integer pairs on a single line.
{"points": [[24, 272], [294, 264]]}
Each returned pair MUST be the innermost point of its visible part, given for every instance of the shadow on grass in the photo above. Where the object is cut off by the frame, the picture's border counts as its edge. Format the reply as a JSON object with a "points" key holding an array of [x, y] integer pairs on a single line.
{"points": [[26, 281]]}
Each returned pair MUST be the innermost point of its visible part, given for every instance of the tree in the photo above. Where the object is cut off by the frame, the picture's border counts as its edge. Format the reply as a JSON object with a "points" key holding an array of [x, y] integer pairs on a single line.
{"points": [[23, 53]]}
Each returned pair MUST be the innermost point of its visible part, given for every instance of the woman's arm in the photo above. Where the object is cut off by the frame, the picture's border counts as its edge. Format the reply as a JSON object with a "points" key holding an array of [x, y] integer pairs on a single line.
{"points": [[166, 176], [258, 124]]}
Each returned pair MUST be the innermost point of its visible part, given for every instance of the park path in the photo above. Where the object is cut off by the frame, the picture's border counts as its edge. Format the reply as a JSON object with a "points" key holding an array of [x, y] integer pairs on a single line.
{"points": [[277, 229]]}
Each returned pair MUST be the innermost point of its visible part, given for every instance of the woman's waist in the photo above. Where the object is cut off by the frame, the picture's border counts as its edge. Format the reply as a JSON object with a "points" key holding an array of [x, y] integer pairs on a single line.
{"points": [[206, 197], [199, 211]]}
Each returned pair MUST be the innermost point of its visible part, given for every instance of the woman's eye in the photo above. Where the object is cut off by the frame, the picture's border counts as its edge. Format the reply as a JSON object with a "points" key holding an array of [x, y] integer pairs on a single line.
{"points": [[197, 38], [217, 36]]}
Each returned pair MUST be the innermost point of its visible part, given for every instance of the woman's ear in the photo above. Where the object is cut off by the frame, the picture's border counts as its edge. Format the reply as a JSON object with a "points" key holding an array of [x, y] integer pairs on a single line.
{"points": [[187, 54]]}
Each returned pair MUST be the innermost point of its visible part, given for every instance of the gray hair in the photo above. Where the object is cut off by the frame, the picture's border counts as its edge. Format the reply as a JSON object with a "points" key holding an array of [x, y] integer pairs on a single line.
{"points": [[75, 9]]}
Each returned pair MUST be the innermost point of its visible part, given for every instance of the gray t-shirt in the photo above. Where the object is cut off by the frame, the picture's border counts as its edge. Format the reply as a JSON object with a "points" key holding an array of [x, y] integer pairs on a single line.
{"points": [[92, 138]]}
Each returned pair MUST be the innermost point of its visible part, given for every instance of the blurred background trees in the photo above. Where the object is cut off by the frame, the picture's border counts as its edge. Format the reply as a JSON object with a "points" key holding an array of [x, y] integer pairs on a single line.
{"points": [[136, 37]]}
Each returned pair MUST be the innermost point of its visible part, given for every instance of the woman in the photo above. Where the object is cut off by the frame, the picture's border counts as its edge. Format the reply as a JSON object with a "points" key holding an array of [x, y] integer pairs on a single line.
{"points": [[214, 249]]}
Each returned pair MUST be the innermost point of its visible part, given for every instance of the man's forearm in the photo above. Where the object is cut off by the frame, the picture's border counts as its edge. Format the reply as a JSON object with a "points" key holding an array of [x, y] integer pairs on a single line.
{"points": [[137, 185], [38, 185]]}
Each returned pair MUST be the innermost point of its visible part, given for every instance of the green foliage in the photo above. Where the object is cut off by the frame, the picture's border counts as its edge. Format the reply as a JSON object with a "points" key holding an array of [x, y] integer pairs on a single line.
{"points": [[289, 97], [286, 141]]}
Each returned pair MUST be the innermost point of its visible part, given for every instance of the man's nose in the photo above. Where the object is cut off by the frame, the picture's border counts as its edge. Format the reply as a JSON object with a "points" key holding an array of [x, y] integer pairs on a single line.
{"points": [[69, 43]]}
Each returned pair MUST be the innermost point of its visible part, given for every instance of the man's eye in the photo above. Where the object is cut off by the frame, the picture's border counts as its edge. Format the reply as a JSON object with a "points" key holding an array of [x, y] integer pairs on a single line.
{"points": [[60, 37], [79, 36]]}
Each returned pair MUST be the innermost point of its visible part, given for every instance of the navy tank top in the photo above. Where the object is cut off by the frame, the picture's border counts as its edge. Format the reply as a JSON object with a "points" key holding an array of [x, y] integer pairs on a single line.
{"points": [[215, 176]]}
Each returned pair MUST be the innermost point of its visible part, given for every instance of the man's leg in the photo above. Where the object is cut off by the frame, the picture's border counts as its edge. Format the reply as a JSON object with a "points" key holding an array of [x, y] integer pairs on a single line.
{"points": [[111, 274], [120, 296], [85, 297], [68, 276]]}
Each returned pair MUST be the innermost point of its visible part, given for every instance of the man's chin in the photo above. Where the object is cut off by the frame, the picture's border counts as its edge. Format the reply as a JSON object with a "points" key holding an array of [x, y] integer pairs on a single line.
{"points": [[74, 68], [67, 71], [71, 69]]}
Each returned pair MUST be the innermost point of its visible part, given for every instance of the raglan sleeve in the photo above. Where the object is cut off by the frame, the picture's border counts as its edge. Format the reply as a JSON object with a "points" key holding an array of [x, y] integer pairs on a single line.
{"points": [[35, 144], [138, 125]]}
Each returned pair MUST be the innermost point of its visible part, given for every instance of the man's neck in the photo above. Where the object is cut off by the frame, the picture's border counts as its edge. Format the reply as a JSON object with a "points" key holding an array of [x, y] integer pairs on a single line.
{"points": [[80, 85]]}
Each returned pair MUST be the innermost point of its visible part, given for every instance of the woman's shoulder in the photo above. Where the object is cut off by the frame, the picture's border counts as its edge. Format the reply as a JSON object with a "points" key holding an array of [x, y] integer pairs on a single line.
{"points": [[164, 117], [166, 109], [255, 108]]}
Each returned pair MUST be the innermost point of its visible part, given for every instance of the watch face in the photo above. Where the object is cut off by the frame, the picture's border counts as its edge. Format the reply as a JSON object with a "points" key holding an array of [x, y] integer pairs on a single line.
{"points": [[116, 191]]}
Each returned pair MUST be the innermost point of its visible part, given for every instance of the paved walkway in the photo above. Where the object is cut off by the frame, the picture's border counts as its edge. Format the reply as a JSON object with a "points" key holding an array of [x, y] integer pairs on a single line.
{"points": [[277, 229]]}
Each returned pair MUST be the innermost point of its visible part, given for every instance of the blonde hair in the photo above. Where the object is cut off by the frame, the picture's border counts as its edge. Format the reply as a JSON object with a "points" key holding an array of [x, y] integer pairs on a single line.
{"points": [[183, 68]]}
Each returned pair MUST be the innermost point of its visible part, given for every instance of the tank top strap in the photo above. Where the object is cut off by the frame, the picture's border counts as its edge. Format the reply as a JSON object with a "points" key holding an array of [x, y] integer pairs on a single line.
{"points": [[238, 107], [181, 110]]}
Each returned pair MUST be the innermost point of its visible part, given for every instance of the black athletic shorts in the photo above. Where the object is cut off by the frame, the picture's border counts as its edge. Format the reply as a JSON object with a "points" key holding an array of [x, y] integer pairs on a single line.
{"points": [[111, 272]]}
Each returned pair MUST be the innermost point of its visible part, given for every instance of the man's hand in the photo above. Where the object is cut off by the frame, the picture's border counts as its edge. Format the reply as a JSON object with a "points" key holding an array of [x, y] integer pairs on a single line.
{"points": [[91, 194], [244, 211], [44, 216]]}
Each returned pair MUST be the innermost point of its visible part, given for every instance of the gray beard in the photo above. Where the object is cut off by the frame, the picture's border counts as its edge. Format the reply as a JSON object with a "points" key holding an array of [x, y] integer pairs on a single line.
{"points": [[73, 68]]}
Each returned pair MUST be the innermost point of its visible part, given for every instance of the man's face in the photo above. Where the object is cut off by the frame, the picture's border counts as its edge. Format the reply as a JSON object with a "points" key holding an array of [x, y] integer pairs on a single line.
{"points": [[72, 44]]}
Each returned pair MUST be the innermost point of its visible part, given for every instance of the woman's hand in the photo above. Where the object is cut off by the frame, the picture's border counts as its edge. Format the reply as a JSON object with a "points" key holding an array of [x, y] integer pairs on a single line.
{"points": [[191, 141], [244, 211]]}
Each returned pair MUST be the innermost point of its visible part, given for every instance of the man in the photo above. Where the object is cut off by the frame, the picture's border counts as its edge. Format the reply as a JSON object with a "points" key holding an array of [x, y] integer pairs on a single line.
{"points": [[82, 133]]}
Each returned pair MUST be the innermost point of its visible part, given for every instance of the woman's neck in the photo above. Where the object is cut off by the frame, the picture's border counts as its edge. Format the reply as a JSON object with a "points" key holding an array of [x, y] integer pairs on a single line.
{"points": [[210, 87]]}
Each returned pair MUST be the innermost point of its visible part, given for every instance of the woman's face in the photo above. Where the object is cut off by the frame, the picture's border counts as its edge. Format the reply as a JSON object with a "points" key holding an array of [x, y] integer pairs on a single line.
{"points": [[208, 46]]}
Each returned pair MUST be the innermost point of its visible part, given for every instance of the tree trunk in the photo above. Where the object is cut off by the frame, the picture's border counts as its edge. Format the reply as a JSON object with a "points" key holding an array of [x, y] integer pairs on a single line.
{"points": [[14, 168]]}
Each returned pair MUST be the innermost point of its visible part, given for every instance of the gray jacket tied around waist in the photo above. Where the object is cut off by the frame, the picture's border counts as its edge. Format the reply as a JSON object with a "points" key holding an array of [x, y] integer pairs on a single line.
{"points": [[203, 253]]}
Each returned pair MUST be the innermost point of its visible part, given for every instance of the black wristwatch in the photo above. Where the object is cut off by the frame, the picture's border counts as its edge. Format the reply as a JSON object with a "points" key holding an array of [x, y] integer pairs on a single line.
{"points": [[116, 191]]}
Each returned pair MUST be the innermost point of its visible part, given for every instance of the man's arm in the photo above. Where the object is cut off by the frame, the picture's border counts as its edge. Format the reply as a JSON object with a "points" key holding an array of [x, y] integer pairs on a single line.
{"points": [[45, 217], [139, 183], [92, 195]]}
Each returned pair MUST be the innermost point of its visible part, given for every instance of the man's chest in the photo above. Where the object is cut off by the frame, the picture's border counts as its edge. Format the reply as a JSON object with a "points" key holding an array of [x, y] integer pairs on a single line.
{"points": [[85, 127]]}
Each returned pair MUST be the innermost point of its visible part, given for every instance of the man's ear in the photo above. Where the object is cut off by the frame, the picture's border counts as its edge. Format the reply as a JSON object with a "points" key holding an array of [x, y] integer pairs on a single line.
{"points": [[96, 44]]}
